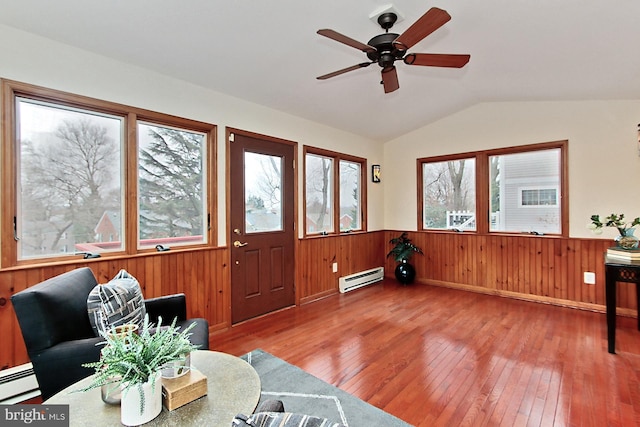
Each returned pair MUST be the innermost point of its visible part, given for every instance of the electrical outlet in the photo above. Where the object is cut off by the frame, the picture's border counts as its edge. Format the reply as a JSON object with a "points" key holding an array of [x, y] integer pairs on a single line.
{"points": [[334, 267], [589, 278]]}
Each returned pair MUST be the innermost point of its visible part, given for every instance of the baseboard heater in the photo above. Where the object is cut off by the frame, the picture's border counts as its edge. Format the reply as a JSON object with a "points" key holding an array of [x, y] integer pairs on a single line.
{"points": [[363, 278], [18, 384]]}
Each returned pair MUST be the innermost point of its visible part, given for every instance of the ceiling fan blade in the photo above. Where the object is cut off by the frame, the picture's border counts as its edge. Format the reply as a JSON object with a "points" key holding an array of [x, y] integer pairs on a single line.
{"points": [[433, 19], [334, 35], [344, 70], [437, 60], [390, 79]]}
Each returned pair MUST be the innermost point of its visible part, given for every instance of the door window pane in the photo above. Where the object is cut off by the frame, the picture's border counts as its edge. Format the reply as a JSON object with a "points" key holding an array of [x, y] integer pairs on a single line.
{"points": [[263, 192], [449, 194], [525, 191], [319, 184], [70, 180], [350, 195], [171, 186]]}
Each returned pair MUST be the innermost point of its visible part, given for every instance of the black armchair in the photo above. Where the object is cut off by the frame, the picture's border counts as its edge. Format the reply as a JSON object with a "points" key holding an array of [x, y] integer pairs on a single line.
{"points": [[57, 333]]}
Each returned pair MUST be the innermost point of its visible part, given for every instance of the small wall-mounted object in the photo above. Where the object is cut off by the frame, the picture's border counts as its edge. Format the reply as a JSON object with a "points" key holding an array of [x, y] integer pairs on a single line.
{"points": [[161, 248], [376, 173]]}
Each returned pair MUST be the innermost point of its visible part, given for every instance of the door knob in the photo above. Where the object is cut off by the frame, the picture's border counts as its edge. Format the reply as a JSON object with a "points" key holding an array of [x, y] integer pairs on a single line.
{"points": [[239, 244]]}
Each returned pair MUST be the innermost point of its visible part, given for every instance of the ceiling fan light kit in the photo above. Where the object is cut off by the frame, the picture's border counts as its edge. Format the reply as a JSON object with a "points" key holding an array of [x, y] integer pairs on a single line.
{"points": [[386, 48]]}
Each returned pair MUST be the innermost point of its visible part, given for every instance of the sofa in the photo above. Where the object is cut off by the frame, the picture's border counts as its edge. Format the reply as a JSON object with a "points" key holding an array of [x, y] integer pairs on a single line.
{"points": [[58, 334]]}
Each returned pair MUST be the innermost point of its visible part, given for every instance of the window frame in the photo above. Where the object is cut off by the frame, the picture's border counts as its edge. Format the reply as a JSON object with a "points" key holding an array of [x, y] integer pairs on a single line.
{"points": [[140, 119], [335, 197], [10, 90], [482, 185], [441, 159]]}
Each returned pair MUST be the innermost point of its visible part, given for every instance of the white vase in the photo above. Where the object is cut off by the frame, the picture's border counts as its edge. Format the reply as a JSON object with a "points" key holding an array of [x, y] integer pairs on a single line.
{"points": [[130, 403]]}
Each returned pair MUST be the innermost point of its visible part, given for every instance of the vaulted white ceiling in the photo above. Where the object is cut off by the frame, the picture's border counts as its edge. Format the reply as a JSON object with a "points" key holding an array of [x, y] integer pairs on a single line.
{"points": [[268, 52]]}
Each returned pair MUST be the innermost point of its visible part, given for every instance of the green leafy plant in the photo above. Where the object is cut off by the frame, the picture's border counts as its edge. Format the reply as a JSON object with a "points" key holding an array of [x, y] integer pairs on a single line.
{"points": [[613, 220], [133, 358], [403, 248]]}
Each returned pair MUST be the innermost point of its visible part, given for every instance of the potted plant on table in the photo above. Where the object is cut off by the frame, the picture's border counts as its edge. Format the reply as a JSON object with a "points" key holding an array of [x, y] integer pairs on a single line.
{"points": [[133, 362], [626, 239], [402, 252]]}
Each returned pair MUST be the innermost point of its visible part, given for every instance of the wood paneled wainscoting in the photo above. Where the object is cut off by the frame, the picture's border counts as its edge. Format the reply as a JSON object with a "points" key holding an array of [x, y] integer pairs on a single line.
{"points": [[354, 252], [543, 269], [200, 274], [537, 268]]}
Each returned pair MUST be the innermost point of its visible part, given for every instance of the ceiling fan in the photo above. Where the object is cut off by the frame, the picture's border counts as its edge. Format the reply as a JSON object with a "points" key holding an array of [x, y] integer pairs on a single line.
{"points": [[388, 47]]}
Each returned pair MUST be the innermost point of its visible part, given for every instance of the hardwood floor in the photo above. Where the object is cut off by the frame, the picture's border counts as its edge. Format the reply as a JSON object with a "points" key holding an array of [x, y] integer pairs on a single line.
{"points": [[440, 357]]}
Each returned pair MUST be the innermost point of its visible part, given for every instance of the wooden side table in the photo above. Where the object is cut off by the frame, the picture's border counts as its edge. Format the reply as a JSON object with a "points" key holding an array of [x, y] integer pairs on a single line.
{"points": [[617, 270], [233, 387]]}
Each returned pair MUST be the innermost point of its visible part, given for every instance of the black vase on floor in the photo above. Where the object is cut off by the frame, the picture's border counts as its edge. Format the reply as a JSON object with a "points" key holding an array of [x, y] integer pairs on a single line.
{"points": [[405, 272]]}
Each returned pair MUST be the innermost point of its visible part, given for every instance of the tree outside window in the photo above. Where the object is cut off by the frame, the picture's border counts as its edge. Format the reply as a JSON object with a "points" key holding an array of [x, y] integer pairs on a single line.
{"points": [[334, 194], [319, 187], [449, 194], [171, 185], [350, 187], [70, 179]]}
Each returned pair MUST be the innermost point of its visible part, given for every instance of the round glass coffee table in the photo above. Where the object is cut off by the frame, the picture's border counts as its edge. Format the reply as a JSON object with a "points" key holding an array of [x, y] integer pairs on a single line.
{"points": [[233, 387]]}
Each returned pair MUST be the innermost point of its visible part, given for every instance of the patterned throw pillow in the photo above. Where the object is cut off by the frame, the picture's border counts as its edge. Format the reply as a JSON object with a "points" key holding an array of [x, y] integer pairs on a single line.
{"points": [[118, 302], [281, 419]]}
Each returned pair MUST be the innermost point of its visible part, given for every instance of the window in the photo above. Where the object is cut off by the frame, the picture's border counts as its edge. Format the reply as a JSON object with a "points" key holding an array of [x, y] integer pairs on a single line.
{"points": [[334, 194], [171, 185], [522, 189], [70, 163], [263, 182], [350, 189], [449, 194], [318, 194], [67, 160]]}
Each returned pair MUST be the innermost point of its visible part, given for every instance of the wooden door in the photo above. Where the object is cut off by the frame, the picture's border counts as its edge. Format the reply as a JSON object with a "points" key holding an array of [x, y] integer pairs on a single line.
{"points": [[262, 224]]}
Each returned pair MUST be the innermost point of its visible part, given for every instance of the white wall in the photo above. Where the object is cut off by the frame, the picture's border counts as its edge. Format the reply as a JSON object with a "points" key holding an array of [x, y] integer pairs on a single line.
{"points": [[604, 161], [604, 166], [35, 60]]}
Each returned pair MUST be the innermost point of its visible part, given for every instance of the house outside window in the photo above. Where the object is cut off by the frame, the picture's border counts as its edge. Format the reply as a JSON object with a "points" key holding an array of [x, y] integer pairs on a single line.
{"points": [[525, 191]]}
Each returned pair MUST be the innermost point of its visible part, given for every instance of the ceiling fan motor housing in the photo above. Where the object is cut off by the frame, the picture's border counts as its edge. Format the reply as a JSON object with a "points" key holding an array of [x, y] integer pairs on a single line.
{"points": [[386, 52]]}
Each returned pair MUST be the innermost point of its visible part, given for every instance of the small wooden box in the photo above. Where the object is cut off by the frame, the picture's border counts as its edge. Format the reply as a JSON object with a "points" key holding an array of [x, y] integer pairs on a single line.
{"points": [[177, 392]]}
